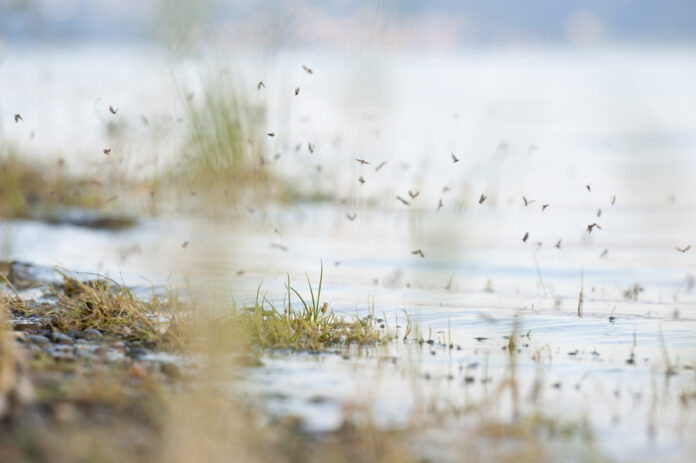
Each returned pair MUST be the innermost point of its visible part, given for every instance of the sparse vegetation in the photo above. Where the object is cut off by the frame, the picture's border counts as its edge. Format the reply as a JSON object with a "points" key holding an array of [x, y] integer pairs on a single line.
{"points": [[312, 327], [109, 308], [29, 189], [224, 147]]}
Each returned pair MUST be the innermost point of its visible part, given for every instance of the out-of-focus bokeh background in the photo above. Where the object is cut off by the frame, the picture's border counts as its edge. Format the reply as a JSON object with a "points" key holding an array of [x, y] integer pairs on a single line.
{"points": [[234, 138]]}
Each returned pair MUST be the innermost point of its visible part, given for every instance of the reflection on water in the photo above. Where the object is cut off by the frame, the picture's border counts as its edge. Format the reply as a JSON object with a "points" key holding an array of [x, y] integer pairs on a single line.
{"points": [[542, 124]]}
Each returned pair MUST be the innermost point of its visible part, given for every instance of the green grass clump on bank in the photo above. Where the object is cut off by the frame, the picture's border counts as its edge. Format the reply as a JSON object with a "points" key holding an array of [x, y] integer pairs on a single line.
{"points": [[311, 326]]}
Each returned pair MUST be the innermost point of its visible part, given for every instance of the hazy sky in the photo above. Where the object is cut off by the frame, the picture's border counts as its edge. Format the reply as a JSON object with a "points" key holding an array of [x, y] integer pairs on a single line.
{"points": [[424, 23]]}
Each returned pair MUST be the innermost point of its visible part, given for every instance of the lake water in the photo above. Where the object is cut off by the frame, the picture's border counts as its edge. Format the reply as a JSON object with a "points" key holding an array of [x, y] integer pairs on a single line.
{"points": [[538, 123]]}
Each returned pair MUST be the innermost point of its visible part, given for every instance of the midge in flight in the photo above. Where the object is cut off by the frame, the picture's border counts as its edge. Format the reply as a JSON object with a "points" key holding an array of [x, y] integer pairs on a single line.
{"points": [[403, 200], [591, 226]]}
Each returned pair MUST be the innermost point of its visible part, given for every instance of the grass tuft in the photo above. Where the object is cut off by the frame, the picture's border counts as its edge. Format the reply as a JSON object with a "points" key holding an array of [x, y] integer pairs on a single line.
{"points": [[223, 146], [112, 309], [314, 327]]}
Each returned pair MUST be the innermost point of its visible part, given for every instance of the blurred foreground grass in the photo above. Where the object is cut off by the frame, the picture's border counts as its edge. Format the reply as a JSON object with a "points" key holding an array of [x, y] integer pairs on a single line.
{"points": [[90, 409]]}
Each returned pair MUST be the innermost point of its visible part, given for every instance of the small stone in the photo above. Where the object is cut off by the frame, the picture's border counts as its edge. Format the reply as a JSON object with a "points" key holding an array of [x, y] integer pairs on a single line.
{"points": [[136, 352], [38, 339], [92, 333], [119, 345], [63, 356], [101, 350], [61, 338], [84, 354], [27, 327], [62, 348]]}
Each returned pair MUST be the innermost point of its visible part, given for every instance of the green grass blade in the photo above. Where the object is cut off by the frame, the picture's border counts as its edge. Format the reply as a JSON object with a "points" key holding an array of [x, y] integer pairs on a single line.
{"points": [[303, 301], [258, 290], [311, 292], [321, 278]]}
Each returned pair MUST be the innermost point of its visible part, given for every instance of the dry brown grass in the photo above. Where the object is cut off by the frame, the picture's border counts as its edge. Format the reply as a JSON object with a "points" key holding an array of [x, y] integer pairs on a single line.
{"points": [[112, 309]]}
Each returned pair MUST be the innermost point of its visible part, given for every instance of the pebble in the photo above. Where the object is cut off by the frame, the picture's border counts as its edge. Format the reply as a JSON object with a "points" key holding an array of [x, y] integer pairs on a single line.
{"points": [[64, 356], [61, 338], [92, 333], [38, 339], [85, 354], [136, 352], [62, 348], [101, 350], [27, 327]]}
